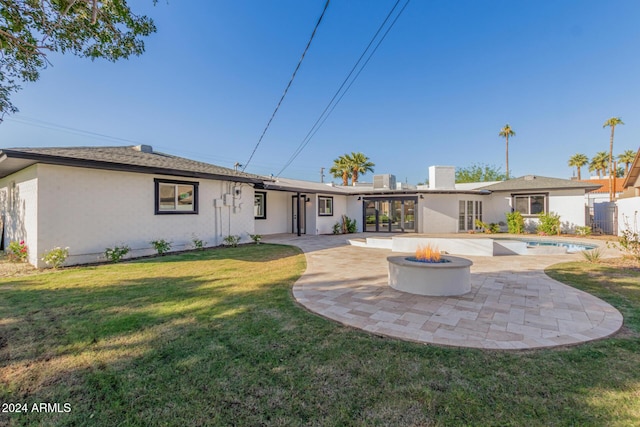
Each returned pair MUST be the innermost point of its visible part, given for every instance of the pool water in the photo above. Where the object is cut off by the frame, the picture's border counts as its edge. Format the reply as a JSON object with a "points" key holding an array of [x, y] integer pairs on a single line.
{"points": [[571, 247]]}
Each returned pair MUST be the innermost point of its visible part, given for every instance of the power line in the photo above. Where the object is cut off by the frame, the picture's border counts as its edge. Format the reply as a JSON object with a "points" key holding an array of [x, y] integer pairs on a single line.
{"points": [[331, 105], [293, 76]]}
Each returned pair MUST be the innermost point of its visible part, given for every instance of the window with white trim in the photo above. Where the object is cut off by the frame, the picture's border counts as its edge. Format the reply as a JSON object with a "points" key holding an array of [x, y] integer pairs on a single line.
{"points": [[175, 197], [325, 206], [260, 205]]}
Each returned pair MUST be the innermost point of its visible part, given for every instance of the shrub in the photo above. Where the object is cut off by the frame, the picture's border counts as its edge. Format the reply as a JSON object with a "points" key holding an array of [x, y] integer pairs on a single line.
{"points": [[488, 228], [592, 256], [198, 243], [232, 240], [549, 223], [515, 222], [629, 240], [18, 251], [161, 246], [347, 225], [256, 238], [583, 231], [116, 253], [56, 257]]}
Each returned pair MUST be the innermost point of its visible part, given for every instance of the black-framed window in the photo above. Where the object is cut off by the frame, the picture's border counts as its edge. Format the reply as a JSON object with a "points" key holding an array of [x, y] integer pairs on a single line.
{"points": [[325, 206], [260, 205], [175, 197], [530, 204]]}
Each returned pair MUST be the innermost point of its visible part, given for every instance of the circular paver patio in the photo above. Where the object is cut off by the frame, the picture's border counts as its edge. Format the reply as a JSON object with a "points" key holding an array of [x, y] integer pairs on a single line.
{"points": [[512, 304]]}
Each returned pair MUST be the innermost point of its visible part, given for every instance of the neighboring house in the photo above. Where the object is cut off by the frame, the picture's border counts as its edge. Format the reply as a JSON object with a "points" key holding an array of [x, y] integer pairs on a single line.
{"points": [[91, 198], [602, 194], [629, 201]]}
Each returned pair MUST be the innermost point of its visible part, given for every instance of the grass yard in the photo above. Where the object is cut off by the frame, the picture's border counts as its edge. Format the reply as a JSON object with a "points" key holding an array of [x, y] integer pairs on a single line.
{"points": [[215, 338]]}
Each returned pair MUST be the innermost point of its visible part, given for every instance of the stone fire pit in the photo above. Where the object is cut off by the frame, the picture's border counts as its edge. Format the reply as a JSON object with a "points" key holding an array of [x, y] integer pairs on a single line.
{"points": [[447, 278]]}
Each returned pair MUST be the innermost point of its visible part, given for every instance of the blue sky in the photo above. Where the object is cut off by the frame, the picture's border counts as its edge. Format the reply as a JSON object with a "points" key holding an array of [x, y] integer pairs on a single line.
{"points": [[448, 76]]}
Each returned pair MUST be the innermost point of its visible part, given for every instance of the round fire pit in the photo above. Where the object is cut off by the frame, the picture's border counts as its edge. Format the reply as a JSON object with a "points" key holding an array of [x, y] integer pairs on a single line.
{"points": [[448, 278]]}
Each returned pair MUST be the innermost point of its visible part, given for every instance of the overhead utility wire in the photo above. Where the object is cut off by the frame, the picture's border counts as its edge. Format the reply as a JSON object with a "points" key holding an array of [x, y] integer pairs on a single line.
{"points": [[325, 115], [293, 76], [308, 136]]}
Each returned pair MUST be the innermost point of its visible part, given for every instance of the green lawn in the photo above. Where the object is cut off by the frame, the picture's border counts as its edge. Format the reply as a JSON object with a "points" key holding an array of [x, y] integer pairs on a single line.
{"points": [[215, 338]]}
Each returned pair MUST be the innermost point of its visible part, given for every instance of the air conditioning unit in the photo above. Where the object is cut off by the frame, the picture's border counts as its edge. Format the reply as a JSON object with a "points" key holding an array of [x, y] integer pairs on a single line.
{"points": [[386, 181]]}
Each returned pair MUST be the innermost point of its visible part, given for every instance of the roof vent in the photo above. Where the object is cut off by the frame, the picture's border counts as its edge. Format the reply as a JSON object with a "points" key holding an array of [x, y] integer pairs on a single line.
{"points": [[529, 177], [144, 148]]}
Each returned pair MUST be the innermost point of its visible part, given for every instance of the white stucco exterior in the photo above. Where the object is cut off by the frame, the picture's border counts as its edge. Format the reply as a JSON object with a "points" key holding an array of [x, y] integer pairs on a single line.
{"points": [[89, 210], [19, 209]]}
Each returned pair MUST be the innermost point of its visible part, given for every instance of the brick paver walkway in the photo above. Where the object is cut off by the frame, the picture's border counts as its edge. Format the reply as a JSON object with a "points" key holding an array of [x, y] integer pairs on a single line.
{"points": [[512, 304]]}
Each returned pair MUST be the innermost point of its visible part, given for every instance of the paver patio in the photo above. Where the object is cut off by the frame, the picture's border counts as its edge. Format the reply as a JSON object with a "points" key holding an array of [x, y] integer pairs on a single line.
{"points": [[513, 304]]}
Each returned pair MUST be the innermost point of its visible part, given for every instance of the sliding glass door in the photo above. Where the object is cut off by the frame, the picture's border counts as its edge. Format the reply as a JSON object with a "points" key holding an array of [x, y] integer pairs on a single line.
{"points": [[397, 215]]}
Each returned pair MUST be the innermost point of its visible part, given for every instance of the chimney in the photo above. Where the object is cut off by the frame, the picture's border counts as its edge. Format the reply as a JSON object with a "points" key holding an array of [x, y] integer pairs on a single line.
{"points": [[442, 177]]}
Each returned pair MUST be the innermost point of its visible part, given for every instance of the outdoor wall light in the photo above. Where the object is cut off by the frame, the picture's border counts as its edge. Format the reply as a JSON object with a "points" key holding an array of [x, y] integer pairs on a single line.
{"points": [[422, 196]]}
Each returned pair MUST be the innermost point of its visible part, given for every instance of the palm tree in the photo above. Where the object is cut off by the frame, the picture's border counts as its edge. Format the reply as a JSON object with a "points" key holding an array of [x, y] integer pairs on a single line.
{"points": [[612, 123], [578, 161], [341, 169], [360, 165], [506, 132], [599, 163], [627, 158]]}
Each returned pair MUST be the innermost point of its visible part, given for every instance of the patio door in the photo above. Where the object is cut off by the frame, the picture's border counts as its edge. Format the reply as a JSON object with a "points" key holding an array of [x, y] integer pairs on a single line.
{"points": [[298, 219], [395, 215]]}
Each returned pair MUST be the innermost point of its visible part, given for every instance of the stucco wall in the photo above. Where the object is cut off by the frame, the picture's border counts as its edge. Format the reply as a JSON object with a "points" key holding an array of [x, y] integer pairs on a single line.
{"points": [[438, 213], [278, 214], [89, 210], [628, 214], [19, 207], [570, 205]]}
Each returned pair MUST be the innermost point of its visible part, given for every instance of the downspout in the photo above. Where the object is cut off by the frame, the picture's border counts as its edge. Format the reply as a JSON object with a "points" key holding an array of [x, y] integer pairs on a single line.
{"points": [[298, 221]]}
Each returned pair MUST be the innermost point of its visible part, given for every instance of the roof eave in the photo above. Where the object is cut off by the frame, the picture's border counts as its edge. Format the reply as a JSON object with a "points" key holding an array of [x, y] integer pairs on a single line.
{"points": [[96, 164]]}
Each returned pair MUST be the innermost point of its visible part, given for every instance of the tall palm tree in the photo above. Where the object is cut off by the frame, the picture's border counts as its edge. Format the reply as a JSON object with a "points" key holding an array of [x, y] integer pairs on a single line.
{"points": [[599, 163], [578, 161], [506, 132], [612, 123], [341, 169], [627, 158], [360, 165]]}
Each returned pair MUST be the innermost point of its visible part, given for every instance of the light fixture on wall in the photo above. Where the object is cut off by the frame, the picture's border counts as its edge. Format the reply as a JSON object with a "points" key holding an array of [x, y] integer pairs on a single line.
{"points": [[359, 198], [422, 196], [308, 200]]}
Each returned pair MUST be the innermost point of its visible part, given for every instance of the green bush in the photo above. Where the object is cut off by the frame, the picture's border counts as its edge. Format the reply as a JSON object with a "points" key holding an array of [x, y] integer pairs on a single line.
{"points": [[116, 253], [56, 257], [18, 251], [549, 223], [256, 238], [231, 240], [583, 231], [161, 246], [629, 240], [515, 222], [198, 244]]}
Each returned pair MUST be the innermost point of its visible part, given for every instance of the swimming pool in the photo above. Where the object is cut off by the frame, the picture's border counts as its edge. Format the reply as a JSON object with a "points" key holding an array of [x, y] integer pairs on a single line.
{"points": [[572, 247]]}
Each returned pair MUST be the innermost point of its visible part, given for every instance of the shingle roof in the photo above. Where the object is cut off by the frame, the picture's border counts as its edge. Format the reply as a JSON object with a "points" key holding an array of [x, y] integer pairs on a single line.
{"points": [[534, 182], [129, 158]]}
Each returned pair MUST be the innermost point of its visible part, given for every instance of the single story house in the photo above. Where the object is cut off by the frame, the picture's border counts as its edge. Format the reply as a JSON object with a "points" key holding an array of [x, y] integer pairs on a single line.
{"points": [[629, 201], [93, 198]]}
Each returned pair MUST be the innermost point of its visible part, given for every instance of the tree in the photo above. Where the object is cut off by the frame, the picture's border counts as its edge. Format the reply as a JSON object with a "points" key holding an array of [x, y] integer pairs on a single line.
{"points": [[360, 165], [341, 169], [627, 158], [599, 163], [93, 29], [578, 161], [479, 173], [506, 132], [612, 123]]}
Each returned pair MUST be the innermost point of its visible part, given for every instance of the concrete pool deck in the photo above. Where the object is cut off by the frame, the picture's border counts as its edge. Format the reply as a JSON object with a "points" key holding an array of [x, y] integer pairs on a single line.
{"points": [[513, 304]]}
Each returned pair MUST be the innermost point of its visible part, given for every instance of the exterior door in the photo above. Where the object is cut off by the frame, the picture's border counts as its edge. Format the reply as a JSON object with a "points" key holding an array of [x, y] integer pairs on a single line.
{"points": [[302, 214], [396, 215]]}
